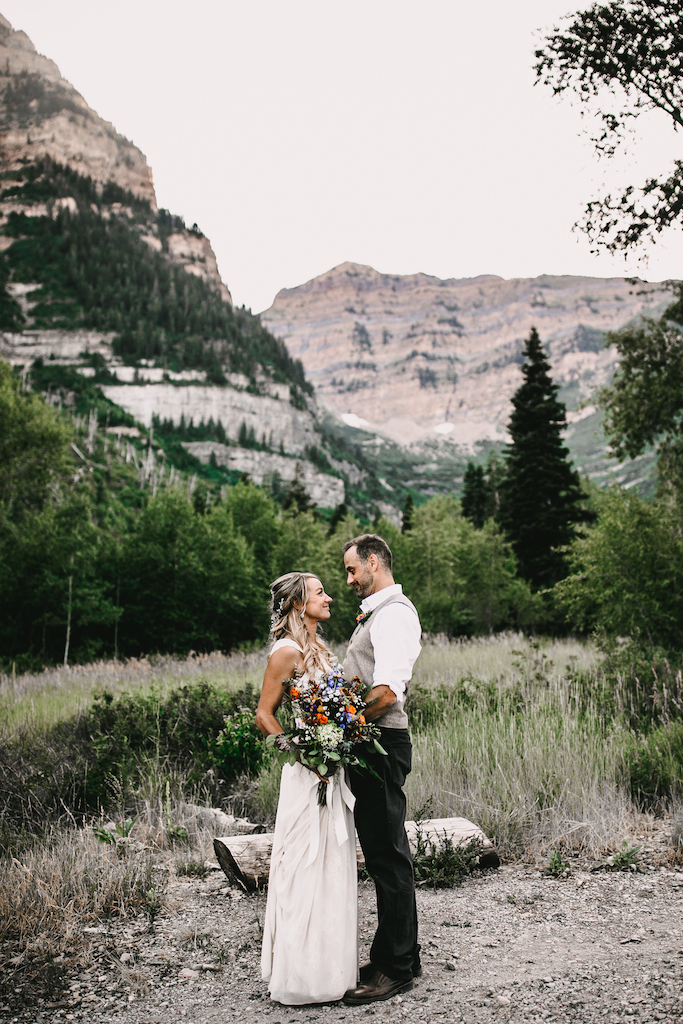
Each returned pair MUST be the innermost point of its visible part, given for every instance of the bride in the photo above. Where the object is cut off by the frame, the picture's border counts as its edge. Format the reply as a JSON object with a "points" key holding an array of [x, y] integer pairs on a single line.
{"points": [[310, 937]]}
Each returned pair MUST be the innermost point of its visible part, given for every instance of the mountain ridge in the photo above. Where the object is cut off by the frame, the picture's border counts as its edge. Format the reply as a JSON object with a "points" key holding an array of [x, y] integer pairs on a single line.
{"points": [[415, 357], [47, 116]]}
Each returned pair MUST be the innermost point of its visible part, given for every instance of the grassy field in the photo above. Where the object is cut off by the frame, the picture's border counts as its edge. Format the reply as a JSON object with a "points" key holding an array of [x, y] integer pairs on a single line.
{"points": [[505, 734], [36, 702], [530, 739]]}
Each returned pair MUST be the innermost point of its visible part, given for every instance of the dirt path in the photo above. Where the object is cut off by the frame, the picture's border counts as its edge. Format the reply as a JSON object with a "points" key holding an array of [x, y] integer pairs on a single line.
{"points": [[508, 946]]}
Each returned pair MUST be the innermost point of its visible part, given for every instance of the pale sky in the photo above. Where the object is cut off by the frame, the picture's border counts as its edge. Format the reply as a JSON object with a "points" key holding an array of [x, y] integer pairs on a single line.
{"points": [[301, 134]]}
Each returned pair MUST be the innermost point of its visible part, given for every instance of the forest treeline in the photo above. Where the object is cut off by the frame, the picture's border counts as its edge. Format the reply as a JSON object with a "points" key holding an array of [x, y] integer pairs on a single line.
{"points": [[87, 572]]}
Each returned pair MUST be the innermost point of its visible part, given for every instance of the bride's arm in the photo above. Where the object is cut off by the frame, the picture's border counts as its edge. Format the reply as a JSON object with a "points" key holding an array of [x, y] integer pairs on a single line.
{"points": [[281, 666]]}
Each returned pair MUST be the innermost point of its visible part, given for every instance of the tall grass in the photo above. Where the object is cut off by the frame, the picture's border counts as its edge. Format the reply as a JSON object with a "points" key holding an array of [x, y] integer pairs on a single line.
{"points": [[36, 702], [48, 897], [531, 740], [533, 774], [505, 657]]}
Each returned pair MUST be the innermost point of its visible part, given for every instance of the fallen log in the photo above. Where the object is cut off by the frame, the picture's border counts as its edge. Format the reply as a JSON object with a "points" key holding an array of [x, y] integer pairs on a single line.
{"points": [[215, 819], [246, 859]]}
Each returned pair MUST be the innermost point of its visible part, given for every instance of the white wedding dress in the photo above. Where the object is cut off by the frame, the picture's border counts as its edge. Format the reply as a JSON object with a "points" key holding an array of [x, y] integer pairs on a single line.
{"points": [[310, 934]]}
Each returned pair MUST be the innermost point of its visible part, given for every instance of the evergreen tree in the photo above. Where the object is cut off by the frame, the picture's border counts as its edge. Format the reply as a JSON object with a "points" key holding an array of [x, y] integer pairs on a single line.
{"points": [[340, 513], [408, 514], [541, 493], [297, 497], [200, 498], [475, 495]]}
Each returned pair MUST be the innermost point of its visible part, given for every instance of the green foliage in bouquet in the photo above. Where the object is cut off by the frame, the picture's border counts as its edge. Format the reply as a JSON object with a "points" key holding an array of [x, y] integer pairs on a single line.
{"points": [[329, 725]]}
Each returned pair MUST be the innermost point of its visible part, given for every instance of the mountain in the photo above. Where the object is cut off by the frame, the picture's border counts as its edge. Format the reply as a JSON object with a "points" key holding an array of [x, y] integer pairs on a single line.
{"points": [[106, 299], [43, 115], [111, 305], [420, 360]]}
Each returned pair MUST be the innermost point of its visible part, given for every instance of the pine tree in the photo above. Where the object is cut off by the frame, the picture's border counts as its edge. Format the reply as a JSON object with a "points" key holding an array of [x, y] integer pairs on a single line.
{"points": [[408, 513], [475, 495], [340, 513], [541, 493], [297, 497]]}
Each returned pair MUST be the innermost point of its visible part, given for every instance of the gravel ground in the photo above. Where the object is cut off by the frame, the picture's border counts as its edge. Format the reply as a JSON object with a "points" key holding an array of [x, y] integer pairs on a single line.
{"points": [[507, 946]]}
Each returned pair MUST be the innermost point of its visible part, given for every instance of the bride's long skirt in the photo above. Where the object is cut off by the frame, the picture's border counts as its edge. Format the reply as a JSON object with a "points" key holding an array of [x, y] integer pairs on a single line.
{"points": [[310, 935]]}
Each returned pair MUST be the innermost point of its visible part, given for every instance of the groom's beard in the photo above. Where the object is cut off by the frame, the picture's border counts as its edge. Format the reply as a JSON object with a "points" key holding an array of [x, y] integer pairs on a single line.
{"points": [[363, 585]]}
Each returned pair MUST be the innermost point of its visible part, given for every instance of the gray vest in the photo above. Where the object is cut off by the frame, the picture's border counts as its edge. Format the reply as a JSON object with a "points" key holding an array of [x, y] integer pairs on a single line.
{"points": [[360, 661]]}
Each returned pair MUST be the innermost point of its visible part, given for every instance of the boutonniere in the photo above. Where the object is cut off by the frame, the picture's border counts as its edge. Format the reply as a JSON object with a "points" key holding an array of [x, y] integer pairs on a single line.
{"points": [[363, 617]]}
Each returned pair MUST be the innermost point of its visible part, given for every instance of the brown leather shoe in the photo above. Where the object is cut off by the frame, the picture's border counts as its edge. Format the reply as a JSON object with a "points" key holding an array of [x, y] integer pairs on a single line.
{"points": [[376, 988]]}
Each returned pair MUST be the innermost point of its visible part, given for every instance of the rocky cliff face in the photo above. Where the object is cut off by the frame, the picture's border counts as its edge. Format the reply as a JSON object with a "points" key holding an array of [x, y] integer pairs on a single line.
{"points": [[41, 114], [271, 421], [264, 467], [418, 357], [46, 126]]}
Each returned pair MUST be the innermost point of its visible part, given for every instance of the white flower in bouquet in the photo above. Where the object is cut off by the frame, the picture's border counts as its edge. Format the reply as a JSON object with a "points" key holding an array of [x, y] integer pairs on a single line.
{"points": [[329, 736]]}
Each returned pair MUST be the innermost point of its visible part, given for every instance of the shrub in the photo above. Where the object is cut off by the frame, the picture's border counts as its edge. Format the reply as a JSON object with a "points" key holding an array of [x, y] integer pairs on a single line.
{"points": [[627, 572], [238, 746], [656, 765], [442, 864], [116, 734], [97, 759]]}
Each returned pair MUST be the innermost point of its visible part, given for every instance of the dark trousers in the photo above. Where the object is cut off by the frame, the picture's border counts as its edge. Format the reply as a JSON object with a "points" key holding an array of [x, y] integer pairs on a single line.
{"points": [[380, 819]]}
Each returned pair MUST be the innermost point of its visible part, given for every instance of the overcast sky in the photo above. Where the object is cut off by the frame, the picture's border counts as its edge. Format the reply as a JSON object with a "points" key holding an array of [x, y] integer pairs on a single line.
{"points": [[301, 134]]}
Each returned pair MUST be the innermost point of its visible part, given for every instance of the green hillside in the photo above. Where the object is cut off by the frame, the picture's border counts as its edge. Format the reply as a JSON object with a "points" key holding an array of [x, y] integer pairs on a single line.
{"points": [[95, 271]]}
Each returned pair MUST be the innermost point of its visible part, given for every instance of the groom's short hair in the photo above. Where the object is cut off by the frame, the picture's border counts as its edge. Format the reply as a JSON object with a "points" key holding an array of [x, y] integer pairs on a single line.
{"points": [[371, 544]]}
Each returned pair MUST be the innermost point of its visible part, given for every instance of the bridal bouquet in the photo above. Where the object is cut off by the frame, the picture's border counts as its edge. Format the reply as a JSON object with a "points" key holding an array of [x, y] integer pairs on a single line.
{"points": [[330, 729]]}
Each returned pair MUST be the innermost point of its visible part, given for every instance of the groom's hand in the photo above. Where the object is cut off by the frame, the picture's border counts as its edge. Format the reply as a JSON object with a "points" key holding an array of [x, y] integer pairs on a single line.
{"points": [[378, 701]]}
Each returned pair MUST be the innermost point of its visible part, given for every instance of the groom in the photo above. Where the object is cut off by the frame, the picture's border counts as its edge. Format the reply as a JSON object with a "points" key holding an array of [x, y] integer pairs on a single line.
{"points": [[382, 651]]}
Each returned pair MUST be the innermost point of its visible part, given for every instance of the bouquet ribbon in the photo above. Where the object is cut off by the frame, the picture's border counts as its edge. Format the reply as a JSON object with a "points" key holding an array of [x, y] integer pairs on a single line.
{"points": [[338, 795]]}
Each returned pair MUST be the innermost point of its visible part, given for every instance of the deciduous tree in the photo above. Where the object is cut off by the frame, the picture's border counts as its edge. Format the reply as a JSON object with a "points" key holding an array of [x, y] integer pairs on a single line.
{"points": [[621, 60], [34, 446], [627, 572], [644, 403]]}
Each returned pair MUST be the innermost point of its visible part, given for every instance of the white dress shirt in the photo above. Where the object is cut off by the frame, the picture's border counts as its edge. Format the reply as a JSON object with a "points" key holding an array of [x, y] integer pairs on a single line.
{"points": [[395, 634]]}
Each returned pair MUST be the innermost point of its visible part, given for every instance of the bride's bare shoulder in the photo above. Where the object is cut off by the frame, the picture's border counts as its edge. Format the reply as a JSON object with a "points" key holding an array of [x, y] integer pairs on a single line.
{"points": [[284, 657]]}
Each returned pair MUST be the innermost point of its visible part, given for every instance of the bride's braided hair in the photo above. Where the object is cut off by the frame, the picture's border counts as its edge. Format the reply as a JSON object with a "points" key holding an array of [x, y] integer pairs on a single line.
{"points": [[289, 595]]}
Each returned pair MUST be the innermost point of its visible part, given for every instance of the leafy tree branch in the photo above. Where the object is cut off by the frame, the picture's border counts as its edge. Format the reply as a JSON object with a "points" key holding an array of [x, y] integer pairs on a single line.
{"points": [[633, 53]]}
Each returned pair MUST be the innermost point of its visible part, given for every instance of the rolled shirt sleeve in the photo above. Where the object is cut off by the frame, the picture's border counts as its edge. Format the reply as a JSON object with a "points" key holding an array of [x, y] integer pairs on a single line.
{"points": [[395, 635]]}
